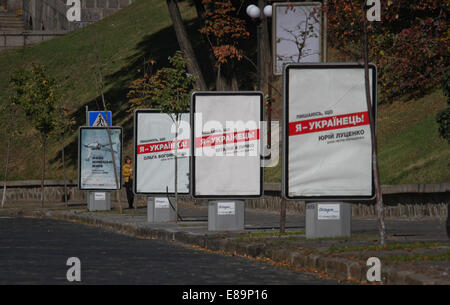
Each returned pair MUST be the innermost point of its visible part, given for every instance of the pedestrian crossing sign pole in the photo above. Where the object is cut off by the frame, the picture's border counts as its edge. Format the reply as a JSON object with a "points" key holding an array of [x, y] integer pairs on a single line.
{"points": [[98, 118]]}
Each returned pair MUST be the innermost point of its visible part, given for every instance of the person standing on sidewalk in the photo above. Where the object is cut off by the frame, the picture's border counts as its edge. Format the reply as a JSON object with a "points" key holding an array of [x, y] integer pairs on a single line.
{"points": [[128, 178]]}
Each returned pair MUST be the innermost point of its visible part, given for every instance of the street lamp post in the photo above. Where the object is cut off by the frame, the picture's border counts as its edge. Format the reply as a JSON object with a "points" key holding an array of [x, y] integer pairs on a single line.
{"points": [[255, 13]]}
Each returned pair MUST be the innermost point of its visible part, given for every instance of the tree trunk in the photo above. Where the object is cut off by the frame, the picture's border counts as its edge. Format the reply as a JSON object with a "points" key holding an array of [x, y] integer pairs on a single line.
{"points": [[376, 173], [44, 143], [64, 171], [6, 168], [176, 166], [185, 45], [221, 83], [263, 49], [200, 8], [108, 131]]}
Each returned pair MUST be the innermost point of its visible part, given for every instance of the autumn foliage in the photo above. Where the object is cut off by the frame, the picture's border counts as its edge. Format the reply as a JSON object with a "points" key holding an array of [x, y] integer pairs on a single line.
{"points": [[224, 30], [409, 45]]}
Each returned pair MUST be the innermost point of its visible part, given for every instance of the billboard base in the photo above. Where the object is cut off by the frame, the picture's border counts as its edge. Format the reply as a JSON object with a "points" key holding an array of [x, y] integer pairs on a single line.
{"points": [[226, 215], [328, 219], [99, 201], [159, 210]]}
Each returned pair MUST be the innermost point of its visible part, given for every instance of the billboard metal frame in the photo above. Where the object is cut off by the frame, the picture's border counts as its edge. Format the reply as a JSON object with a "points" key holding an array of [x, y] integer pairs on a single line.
{"points": [[192, 147], [160, 194], [120, 158], [285, 136]]}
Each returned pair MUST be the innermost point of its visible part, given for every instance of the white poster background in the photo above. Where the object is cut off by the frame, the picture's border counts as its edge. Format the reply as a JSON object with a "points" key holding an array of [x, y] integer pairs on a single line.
{"points": [[96, 169], [227, 175], [156, 170], [332, 167]]}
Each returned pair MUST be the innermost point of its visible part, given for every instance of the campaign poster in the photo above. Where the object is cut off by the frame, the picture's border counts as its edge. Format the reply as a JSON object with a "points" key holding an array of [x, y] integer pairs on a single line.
{"points": [[297, 33], [226, 159], [95, 165], [327, 141], [155, 152]]}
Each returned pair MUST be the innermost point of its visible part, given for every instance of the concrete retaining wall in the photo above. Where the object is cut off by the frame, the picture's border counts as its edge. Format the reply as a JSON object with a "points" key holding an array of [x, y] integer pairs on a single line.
{"points": [[51, 14], [18, 39], [416, 203]]}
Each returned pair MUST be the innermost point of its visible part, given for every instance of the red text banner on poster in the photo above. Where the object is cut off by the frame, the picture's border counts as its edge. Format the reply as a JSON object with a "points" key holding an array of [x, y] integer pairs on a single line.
{"points": [[329, 123], [161, 146], [227, 138]]}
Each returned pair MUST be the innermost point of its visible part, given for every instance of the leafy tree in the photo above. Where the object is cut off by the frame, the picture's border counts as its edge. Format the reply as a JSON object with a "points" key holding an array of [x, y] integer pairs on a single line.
{"points": [[35, 92], [185, 44], [224, 31], [8, 116], [63, 127], [409, 45], [168, 90], [443, 117]]}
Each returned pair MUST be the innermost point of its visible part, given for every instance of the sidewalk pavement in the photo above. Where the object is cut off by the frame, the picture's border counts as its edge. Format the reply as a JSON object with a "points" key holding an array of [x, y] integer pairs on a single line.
{"points": [[417, 250]]}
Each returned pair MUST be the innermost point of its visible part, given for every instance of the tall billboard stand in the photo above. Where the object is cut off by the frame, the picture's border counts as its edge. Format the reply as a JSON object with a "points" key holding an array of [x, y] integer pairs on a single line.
{"points": [[331, 130], [226, 154], [97, 201]]}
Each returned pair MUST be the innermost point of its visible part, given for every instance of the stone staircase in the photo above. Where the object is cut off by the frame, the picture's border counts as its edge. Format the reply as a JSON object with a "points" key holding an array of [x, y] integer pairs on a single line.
{"points": [[11, 23]]}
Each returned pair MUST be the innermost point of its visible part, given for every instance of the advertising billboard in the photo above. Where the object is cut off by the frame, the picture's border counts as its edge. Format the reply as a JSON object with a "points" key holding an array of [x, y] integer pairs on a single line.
{"points": [[296, 33], [226, 160], [327, 151], [154, 147], [95, 165]]}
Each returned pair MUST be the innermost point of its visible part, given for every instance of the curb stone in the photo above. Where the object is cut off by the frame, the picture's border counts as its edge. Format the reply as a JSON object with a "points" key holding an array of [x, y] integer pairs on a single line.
{"points": [[339, 267]]}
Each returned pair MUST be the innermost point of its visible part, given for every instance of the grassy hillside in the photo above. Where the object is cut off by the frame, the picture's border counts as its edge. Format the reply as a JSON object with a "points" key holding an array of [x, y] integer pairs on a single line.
{"points": [[409, 147], [124, 40]]}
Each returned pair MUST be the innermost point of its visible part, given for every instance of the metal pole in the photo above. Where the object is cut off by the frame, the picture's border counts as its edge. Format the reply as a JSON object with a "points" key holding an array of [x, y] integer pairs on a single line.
{"points": [[379, 194], [87, 115], [258, 50]]}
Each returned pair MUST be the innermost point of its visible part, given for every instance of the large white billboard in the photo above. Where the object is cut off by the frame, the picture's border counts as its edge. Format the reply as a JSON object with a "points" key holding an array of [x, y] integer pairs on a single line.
{"points": [[226, 158], [327, 151], [154, 147], [95, 165], [296, 33]]}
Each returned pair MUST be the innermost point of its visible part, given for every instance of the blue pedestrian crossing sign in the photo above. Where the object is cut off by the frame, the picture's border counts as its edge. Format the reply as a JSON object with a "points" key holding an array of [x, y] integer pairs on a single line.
{"points": [[98, 118]]}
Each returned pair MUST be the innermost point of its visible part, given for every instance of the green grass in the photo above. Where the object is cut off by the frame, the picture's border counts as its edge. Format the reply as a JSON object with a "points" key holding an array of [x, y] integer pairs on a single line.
{"points": [[418, 257], [270, 234], [406, 246], [410, 149], [124, 40]]}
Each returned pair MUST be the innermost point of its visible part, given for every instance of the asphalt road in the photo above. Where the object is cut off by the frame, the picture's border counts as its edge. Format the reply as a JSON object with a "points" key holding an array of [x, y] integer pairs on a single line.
{"points": [[35, 251]]}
